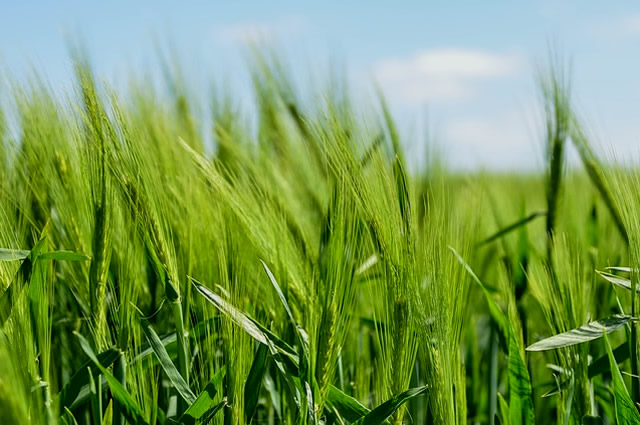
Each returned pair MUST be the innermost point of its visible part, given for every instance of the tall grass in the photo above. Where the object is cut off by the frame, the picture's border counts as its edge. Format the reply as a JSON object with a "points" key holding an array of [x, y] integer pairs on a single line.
{"points": [[297, 271]]}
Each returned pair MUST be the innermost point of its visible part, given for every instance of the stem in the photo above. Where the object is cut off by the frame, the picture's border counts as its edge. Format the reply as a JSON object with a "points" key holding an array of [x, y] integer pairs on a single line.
{"points": [[182, 349], [635, 383], [493, 377], [120, 373]]}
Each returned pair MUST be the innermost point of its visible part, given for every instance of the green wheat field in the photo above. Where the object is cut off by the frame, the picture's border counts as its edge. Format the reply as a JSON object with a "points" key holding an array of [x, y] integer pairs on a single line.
{"points": [[297, 271]]}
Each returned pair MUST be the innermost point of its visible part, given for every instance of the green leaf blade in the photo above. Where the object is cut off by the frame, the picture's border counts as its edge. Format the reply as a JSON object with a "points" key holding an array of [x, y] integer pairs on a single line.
{"points": [[381, 413], [204, 403], [589, 332], [626, 412], [165, 361]]}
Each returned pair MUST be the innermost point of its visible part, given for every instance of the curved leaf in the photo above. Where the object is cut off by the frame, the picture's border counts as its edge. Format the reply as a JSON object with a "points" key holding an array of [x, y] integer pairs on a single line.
{"points": [[68, 396], [203, 405], [626, 412], [381, 413], [622, 282], [128, 405], [585, 333], [65, 256], [348, 407], [165, 361], [239, 318], [13, 254]]}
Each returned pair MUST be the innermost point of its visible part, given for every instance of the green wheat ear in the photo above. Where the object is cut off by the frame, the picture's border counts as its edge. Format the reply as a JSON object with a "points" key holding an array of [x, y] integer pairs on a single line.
{"points": [[342, 281]]}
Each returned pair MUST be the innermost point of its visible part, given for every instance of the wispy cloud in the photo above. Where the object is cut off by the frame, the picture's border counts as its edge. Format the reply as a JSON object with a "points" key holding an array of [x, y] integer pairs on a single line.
{"points": [[261, 32], [621, 27], [497, 140], [442, 75], [627, 26]]}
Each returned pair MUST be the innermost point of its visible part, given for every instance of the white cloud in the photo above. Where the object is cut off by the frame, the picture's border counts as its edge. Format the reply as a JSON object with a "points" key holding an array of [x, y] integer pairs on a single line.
{"points": [[442, 75], [498, 141], [628, 26], [260, 32], [621, 27]]}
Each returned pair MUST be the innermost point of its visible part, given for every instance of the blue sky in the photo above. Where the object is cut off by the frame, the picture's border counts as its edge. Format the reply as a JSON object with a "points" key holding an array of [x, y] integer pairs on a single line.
{"points": [[467, 66]]}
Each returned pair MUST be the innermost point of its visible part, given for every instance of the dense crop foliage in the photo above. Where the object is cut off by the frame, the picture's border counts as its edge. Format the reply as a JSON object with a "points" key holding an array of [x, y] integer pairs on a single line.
{"points": [[297, 272]]}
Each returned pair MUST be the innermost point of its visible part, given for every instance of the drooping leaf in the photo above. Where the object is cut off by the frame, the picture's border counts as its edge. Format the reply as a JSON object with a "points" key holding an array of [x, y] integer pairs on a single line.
{"points": [[252, 327], [170, 341], [239, 318], [585, 333], [68, 396], [13, 254], [617, 280], [620, 268], [65, 256], [381, 413], [347, 406], [626, 412], [285, 357], [204, 403], [165, 361], [128, 405]]}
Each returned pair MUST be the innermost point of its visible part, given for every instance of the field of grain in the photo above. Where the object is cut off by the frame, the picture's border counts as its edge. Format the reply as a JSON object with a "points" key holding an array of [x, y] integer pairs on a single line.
{"points": [[297, 271]]}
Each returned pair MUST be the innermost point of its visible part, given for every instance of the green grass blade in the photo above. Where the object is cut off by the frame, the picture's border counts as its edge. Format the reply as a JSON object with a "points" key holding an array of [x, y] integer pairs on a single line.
{"points": [[617, 280], [69, 393], [381, 413], [68, 418], [20, 282], [626, 412], [514, 226], [520, 403], [13, 254], [239, 318], [585, 333], [496, 313], [504, 411], [304, 355], [347, 406], [107, 419], [253, 385], [253, 328], [165, 361], [211, 413], [64, 256], [204, 403], [128, 405]]}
